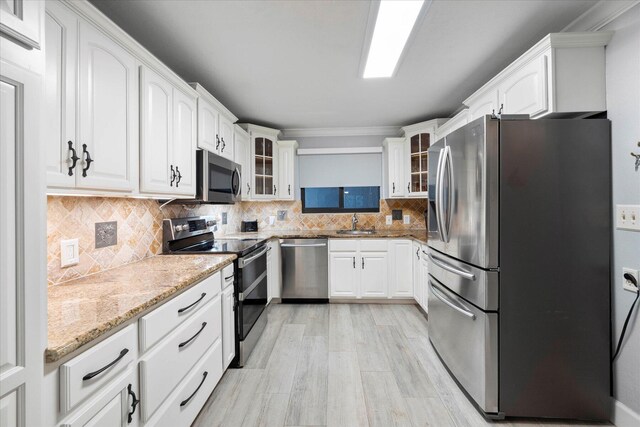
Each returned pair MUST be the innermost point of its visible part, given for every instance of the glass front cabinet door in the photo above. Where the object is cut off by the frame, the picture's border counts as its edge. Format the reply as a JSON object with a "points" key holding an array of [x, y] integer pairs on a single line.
{"points": [[419, 138], [264, 161]]}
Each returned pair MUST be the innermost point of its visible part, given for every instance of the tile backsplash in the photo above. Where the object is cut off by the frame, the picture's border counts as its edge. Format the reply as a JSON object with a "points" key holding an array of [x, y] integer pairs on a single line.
{"points": [[139, 224]]}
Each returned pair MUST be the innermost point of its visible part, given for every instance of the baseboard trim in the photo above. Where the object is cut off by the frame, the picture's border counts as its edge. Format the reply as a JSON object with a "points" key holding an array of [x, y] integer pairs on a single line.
{"points": [[623, 416], [372, 301]]}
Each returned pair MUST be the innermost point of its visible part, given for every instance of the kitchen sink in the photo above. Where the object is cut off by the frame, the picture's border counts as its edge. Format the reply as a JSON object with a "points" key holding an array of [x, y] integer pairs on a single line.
{"points": [[356, 232]]}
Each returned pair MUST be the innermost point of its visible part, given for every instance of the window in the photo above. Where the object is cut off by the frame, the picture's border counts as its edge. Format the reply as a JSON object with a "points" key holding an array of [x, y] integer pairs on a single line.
{"points": [[340, 199]]}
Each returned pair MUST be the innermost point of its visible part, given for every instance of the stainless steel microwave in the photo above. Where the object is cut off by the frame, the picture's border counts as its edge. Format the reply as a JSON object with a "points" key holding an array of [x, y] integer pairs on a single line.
{"points": [[217, 179]]}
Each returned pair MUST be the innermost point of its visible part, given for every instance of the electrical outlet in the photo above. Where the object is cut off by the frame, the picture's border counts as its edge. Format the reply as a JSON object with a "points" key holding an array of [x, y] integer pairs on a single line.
{"points": [[282, 215], [106, 234], [628, 217], [69, 254], [224, 218], [407, 219], [389, 219], [628, 284]]}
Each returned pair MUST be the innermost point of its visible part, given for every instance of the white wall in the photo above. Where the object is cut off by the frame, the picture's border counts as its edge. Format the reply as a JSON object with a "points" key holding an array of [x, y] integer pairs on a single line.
{"points": [[623, 105]]}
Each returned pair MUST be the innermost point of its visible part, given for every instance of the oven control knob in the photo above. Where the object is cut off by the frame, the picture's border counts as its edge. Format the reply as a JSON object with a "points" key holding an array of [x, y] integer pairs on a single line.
{"points": [[177, 228]]}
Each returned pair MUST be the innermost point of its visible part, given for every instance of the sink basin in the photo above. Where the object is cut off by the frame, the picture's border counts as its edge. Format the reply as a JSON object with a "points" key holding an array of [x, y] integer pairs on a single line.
{"points": [[357, 232]]}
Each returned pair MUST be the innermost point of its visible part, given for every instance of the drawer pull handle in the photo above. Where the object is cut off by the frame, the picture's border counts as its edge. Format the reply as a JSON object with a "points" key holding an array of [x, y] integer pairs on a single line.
{"points": [[441, 297], [228, 277], [104, 368], [134, 404], [204, 377], [451, 268], [182, 344], [183, 309]]}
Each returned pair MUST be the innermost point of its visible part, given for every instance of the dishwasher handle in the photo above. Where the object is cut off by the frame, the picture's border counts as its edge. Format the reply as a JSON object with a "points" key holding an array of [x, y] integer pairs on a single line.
{"points": [[311, 245]]}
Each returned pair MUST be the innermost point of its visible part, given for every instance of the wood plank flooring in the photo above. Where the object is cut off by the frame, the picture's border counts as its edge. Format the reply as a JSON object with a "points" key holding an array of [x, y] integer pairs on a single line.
{"points": [[348, 365]]}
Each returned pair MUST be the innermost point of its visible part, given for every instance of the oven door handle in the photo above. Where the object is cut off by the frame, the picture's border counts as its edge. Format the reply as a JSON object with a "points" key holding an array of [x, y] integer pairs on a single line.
{"points": [[251, 287], [244, 262]]}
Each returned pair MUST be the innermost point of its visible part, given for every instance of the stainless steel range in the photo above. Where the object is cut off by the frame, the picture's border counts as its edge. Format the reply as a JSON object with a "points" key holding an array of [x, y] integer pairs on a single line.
{"points": [[194, 235]]}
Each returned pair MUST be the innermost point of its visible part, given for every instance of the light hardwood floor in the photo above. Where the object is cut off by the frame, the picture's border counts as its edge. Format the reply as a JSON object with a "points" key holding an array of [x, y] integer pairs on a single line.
{"points": [[344, 365]]}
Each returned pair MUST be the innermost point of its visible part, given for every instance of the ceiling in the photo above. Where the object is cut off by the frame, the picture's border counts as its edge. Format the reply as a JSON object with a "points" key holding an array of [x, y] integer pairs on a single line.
{"points": [[295, 64]]}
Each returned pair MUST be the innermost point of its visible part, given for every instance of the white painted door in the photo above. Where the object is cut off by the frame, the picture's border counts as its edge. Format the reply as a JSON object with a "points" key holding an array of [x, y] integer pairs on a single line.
{"points": [[401, 277], [485, 104], [107, 112], [184, 143], [59, 124], [525, 91], [208, 133], [226, 137], [416, 269], [373, 274], [228, 327], [264, 156], [22, 246], [241, 156], [396, 156], [157, 173], [285, 172], [21, 20], [344, 274]]}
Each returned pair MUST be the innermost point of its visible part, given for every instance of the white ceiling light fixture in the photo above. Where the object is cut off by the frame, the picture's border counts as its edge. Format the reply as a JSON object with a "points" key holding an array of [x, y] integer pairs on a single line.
{"points": [[393, 26]]}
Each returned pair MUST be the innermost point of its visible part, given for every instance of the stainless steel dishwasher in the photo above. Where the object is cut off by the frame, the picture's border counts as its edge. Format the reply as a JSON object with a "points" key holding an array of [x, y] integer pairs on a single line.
{"points": [[305, 272]]}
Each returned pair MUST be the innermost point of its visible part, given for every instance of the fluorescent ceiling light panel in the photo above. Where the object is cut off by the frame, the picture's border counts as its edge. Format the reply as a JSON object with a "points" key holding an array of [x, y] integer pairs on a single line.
{"points": [[394, 24]]}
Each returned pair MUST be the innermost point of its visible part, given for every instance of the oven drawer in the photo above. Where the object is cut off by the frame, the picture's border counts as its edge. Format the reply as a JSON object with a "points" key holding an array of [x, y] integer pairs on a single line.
{"points": [[466, 339], [162, 369], [91, 371], [157, 324], [479, 287]]}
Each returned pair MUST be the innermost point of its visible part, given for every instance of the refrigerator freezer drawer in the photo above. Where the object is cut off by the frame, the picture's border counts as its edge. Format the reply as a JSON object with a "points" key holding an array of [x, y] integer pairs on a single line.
{"points": [[466, 339], [478, 286]]}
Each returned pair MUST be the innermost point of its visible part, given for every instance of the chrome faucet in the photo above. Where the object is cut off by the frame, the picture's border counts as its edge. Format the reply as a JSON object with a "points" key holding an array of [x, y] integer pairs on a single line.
{"points": [[354, 221]]}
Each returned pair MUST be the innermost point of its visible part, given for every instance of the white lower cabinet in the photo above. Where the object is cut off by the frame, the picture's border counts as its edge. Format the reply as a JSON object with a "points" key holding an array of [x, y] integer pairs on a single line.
{"points": [[365, 268], [416, 264], [228, 318], [114, 406], [424, 278], [401, 283]]}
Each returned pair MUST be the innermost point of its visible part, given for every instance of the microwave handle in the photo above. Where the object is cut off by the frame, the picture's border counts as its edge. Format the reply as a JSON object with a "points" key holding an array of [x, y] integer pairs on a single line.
{"points": [[235, 182]]}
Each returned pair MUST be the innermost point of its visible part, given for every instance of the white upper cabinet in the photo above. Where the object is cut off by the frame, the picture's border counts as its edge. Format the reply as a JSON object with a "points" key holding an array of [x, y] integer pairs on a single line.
{"points": [[406, 160], [264, 162], [454, 123], [241, 156], [59, 124], [102, 154], [167, 136], [157, 173], [215, 124], [21, 20], [107, 113], [286, 171], [226, 137], [184, 141], [394, 166], [562, 75]]}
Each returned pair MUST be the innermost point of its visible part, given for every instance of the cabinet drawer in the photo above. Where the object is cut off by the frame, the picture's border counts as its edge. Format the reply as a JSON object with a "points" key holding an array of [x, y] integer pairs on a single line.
{"points": [[227, 276], [343, 245], [89, 372], [157, 324], [376, 245], [163, 368], [190, 396]]}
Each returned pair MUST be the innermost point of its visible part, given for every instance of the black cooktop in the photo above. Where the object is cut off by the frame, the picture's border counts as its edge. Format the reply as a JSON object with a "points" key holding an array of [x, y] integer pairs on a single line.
{"points": [[225, 246]]}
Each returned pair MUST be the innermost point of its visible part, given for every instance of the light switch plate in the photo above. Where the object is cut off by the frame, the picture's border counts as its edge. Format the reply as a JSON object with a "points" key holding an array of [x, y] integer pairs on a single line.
{"points": [[389, 219], [628, 217], [69, 252], [224, 218], [407, 219]]}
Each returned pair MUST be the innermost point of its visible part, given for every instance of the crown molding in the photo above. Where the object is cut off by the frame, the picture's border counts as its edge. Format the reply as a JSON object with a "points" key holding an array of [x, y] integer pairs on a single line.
{"points": [[600, 14], [342, 131], [338, 150]]}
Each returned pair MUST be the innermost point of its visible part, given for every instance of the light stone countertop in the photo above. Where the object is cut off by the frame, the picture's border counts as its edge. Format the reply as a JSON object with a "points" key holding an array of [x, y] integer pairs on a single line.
{"points": [[82, 310], [419, 235]]}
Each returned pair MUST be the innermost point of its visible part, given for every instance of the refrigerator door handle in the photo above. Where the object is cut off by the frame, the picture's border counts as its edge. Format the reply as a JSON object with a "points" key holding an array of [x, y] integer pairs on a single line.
{"points": [[446, 168], [446, 301], [451, 268], [439, 195]]}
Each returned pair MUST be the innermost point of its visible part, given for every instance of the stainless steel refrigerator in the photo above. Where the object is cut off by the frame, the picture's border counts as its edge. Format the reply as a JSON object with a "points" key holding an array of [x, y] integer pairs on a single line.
{"points": [[519, 282]]}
